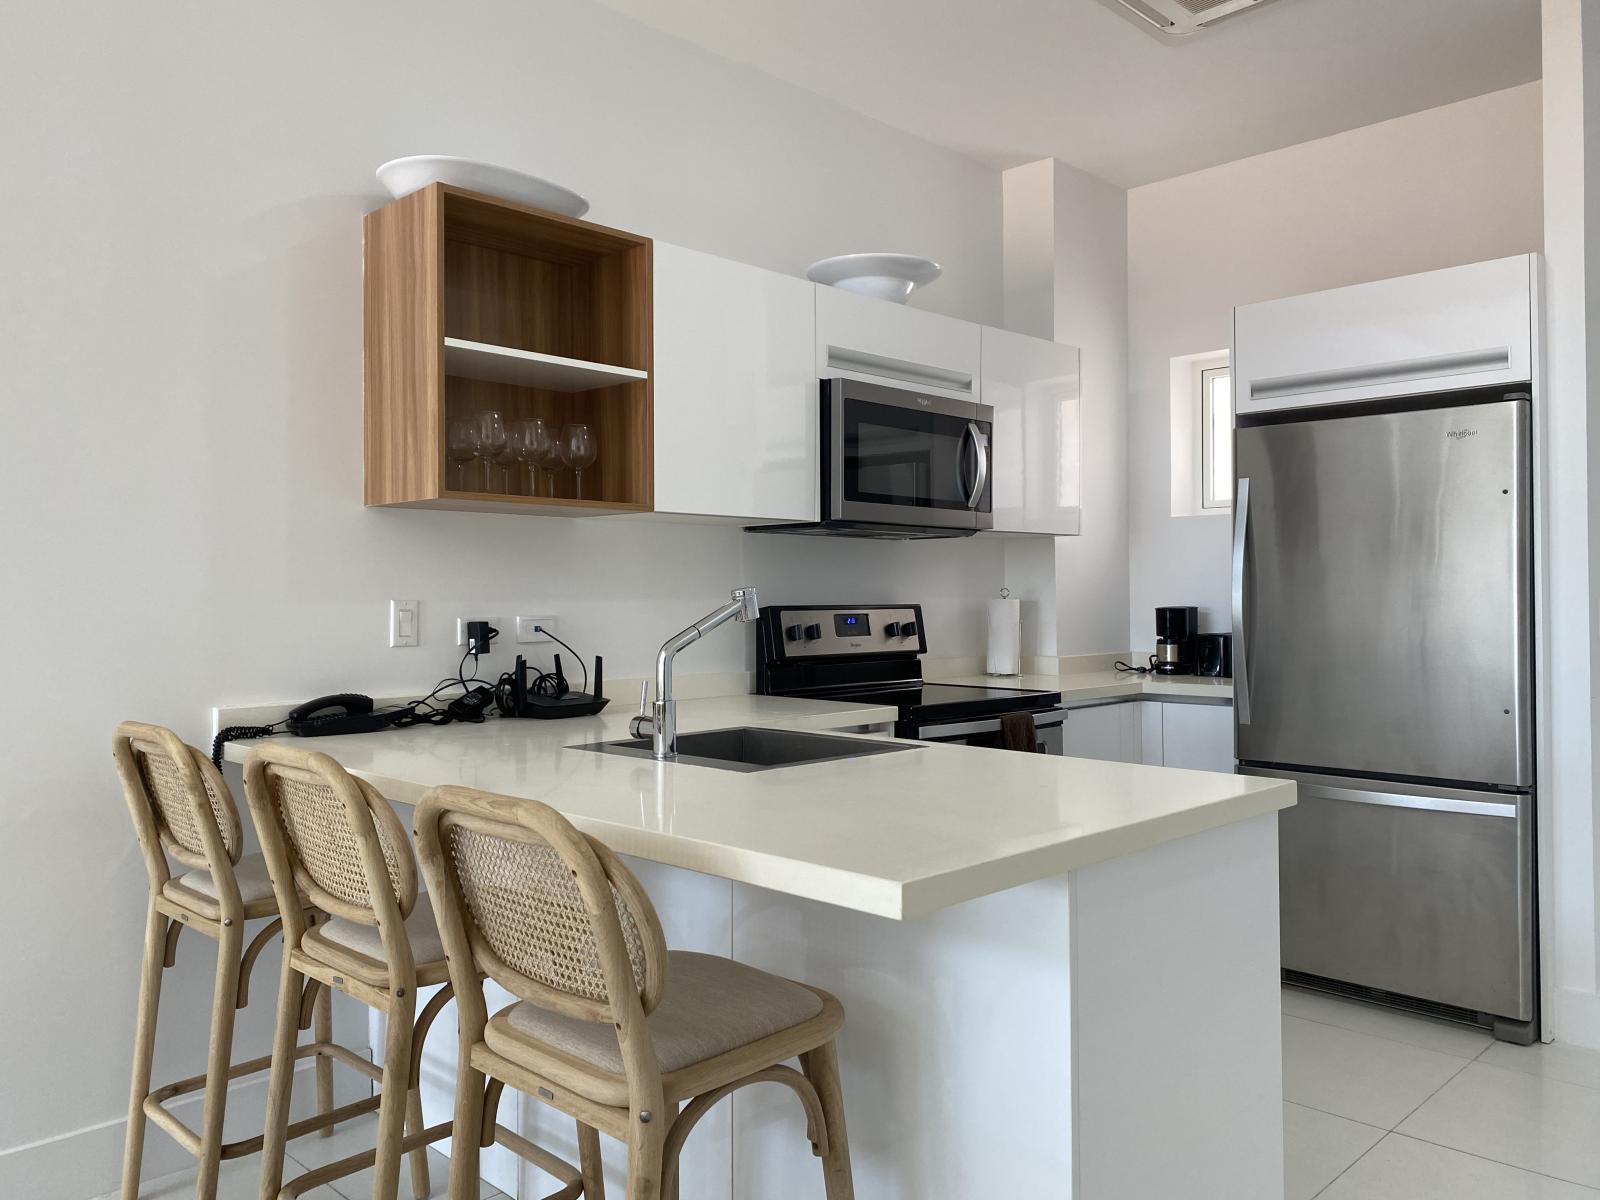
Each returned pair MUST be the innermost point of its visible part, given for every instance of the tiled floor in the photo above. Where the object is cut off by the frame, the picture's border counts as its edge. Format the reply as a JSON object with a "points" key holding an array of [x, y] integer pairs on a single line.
{"points": [[1385, 1106], [1378, 1105], [241, 1179]]}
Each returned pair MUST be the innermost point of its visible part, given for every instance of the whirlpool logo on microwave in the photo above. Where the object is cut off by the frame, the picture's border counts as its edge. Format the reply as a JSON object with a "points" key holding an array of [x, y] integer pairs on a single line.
{"points": [[1461, 435]]}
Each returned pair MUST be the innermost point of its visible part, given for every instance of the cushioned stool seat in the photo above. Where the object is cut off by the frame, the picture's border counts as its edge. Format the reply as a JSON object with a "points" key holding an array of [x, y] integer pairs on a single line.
{"points": [[341, 935], [710, 1006], [255, 889]]}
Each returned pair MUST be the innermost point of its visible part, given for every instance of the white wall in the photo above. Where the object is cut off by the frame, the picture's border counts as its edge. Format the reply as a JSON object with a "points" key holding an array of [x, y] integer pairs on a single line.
{"points": [[1451, 185], [181, 467], [1066, 277]]}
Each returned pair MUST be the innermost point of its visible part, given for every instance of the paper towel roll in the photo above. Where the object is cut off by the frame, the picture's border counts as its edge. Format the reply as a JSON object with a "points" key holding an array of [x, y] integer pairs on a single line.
{"points": [[1005, 637]]}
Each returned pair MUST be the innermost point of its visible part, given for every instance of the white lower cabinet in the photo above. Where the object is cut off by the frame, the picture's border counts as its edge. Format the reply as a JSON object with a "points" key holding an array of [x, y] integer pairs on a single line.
{"points": [[1196, 736], [736, 407], [1104, 731]]}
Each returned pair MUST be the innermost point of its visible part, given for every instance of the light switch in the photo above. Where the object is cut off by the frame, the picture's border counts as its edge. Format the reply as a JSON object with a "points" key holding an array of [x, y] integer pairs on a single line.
{"points": [[403, 623]]}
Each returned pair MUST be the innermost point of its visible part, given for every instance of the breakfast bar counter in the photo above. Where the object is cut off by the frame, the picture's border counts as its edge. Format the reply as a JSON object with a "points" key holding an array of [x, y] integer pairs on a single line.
{"points": [[1060, 976]]}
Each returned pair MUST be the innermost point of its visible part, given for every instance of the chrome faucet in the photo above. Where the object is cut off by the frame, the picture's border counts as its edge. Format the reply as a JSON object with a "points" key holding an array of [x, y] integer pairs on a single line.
{"points": [[662, 719]]}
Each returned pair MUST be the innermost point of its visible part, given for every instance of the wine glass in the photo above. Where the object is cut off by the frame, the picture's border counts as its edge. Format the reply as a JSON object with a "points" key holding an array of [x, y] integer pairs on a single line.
{"points": [[528, 431], [491, 441], [461, 447], [546, 454], [578, 450], [510, 457]]}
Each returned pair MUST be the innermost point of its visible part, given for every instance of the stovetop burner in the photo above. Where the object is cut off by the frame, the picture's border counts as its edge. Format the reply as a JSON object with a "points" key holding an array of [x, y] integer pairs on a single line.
{"points": [[870, 654]]}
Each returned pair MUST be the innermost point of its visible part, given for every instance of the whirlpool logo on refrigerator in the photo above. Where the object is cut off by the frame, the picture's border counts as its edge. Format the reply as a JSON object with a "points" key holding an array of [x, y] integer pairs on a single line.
{"points": [[1461, 435]]}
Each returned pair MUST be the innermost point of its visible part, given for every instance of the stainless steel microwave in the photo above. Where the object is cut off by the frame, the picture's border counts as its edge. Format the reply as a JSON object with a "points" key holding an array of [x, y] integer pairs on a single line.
{"points": [[900, 463]]}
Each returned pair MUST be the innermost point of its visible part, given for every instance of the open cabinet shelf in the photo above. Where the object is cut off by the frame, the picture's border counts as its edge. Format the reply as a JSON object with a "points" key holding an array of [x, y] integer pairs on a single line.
{"points": [[475, 304], [525, 368]]}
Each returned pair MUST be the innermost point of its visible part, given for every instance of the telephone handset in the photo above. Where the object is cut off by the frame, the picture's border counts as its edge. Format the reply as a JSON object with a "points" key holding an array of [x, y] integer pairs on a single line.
{"points": [[343, 712]]}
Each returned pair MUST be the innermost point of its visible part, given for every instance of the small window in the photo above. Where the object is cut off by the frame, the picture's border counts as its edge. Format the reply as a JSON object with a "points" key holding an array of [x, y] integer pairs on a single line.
{"points": [[1216, 437]]}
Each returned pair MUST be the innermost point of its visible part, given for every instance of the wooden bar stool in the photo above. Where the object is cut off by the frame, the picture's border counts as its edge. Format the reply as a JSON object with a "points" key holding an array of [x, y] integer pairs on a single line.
{"points": [[611, 1028], [182, 807], [336, 839]]}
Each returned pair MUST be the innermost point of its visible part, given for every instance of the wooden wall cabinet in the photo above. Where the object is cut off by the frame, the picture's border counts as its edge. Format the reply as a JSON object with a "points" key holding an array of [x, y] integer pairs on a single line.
{"points": [[473, 304]]}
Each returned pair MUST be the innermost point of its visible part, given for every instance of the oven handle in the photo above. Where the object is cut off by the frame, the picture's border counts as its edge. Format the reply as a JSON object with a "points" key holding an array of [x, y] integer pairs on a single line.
{"points": [[1048, 719], [980, 451]]}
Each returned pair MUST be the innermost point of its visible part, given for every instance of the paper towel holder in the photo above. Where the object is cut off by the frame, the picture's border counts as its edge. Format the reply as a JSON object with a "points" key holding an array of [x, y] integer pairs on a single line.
{"points": [[1004, 657]]}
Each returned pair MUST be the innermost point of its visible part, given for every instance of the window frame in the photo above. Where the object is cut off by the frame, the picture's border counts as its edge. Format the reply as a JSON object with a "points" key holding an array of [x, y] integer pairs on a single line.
{"points": [[1205, 376]]}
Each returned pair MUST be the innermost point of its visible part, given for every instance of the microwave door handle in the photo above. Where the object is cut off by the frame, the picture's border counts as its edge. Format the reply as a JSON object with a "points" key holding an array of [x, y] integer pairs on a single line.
{"points": [[980, 450]]}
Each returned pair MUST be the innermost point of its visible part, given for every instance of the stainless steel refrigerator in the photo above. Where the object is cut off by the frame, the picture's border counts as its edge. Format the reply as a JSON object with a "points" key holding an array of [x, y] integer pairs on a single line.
{"points": [[1383, 597]]}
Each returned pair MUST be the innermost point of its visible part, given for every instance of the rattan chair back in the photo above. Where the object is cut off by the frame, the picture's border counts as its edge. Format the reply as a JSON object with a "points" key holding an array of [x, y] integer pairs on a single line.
{"points": [[550, 915], [345, 845], [179, 802]]}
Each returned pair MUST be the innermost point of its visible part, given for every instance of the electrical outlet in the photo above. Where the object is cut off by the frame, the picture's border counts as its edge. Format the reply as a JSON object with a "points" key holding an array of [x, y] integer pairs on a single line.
{"points": [[403, 623], [464, 629], [528, 629]]}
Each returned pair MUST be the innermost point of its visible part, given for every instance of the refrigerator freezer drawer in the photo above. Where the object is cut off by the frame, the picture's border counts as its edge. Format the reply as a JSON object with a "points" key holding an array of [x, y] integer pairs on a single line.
{"points": [[1427, 892]]}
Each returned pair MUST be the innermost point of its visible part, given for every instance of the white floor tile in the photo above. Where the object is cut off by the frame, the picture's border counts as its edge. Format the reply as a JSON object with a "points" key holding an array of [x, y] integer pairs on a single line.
{"points": [[1442, 1036], [1317, 1146], [239, 1179], [1571, 1064], [359, 1185], [1357, 1076], [1529, 1121], [1400, 1168]]}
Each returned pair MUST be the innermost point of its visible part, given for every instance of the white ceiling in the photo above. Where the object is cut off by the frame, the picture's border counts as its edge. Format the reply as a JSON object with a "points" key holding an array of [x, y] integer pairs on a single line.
{"points": [[1008, 81]]}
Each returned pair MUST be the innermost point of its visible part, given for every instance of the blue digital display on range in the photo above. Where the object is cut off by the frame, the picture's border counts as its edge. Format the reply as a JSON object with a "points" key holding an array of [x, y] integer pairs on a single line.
{"points": [[851, 624]]}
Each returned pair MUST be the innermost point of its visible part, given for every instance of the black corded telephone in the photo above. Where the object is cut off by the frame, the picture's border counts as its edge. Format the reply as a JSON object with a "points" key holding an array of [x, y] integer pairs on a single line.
{"points": [[343, 712]]}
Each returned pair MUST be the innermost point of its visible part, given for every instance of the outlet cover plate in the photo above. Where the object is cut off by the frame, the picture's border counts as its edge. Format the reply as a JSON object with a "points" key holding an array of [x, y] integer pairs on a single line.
{"points": [[526, 631]]}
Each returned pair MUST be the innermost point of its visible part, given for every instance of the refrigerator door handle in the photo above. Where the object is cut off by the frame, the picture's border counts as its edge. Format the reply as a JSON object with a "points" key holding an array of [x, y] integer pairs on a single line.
{"points": [[1477, 808], [1241, 635]]}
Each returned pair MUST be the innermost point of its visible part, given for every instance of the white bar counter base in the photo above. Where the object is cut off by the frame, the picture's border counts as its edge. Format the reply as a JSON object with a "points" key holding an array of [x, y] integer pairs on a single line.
{"points": [[1075, 994]]}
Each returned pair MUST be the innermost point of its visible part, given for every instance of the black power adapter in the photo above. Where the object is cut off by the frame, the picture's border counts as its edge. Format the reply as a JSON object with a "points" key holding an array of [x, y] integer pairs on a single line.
{"points": [[480, 637]]}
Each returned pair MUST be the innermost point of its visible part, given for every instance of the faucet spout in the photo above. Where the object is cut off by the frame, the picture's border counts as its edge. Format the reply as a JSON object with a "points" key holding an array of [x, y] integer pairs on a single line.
{"points": [[662, 722]]}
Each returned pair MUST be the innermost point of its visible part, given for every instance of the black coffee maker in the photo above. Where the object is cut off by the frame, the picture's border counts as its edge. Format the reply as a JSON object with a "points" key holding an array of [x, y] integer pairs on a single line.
{"points": [[1176, 629]]}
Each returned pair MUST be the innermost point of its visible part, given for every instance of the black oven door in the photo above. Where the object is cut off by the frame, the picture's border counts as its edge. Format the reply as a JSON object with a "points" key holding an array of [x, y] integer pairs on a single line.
{"points": [[899, 456]]}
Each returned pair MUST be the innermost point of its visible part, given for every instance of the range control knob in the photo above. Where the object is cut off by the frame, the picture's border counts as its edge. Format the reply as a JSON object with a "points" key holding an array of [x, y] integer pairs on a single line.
{"points": [[791, 633], [908, 629], [813, 632], [892, 629]]}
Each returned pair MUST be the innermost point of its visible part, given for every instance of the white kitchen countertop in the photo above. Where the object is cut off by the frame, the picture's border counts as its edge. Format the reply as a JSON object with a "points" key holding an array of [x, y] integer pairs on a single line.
{"points": [[896, 835], [1097, 685]]}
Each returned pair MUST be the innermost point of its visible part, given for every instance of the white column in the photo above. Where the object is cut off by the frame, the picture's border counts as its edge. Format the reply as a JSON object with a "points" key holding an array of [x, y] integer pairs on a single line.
{"points": [[1066, 278], [1571, 31]]}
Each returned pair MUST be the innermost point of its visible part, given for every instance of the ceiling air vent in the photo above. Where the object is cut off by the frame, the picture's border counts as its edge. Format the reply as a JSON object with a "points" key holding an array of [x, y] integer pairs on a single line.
{"points": [[1176, 19]]}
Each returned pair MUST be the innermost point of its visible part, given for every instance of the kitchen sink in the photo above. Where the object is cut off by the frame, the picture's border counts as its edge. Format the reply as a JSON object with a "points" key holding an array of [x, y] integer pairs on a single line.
{"points": [[749, 749]]}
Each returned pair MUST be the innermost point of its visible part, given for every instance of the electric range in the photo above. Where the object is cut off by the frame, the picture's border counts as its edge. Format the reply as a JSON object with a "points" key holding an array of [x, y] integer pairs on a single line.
{"points": [[872, 653]]}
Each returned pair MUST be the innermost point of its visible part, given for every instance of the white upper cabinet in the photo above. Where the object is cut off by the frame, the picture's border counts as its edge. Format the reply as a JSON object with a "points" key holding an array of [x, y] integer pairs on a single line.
{"points": [[736, 404], [1461, 327], [864, 338], [1035, 389]]}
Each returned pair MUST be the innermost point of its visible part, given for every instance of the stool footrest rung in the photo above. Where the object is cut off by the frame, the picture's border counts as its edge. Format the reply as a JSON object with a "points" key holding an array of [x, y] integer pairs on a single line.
{"points": [[155, 1103], [551, 1164], [358, 1162]]}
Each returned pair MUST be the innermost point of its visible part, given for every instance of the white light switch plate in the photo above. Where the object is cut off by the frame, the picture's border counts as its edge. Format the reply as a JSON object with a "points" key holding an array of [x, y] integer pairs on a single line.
{"points": [[403, 615], [527, 633]]}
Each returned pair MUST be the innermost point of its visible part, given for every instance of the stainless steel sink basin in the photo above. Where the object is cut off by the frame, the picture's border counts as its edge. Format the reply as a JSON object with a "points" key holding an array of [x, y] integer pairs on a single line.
{"points": [[748, 749]]}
